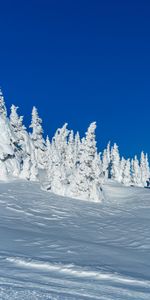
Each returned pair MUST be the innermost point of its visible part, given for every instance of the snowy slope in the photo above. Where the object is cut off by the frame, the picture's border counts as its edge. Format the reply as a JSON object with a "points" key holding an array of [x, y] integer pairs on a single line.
{"points": [[59, 248]]}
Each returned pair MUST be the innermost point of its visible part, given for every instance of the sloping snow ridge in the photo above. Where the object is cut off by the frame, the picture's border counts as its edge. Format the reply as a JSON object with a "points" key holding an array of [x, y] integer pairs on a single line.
{"points": [[54, 247]]}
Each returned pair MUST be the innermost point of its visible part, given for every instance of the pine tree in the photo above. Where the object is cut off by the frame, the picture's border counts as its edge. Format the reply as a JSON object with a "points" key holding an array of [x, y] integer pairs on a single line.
{"points": [[10, 161], [3, 110], [19, 129], [37, 138], [136, 173], [48, 152], [144, 168], [60, 142], [115, 164], [80, 184], [106, 159], [85, 178], [105, 164], [77, 144], [147, 170], [96, 187], [122, 167], [54, 171], [108, 152], [28, 166], [57, 167], [12, 158], [126, 173], [16, 122], [70, 156]]}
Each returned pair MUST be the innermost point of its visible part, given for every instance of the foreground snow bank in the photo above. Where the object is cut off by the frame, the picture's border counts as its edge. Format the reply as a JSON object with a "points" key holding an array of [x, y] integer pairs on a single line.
{"points": [[54, 247]]}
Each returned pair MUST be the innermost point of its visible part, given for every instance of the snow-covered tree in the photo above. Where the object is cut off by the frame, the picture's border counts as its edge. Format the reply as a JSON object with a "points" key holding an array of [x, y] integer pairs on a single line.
{"points": [[60, 140], [77, 144], [17, 127], [10, 162], [84, 183], [54, 172], [126, 172], [147, 167], [37, 138], [144, 168], [106, 159], [13, 160], [80, 185], [28, 166], [122, 166], [105, 164], [16, 122], [48, 152], [3, 110], [108, 151], [70, 156], [57, 169], [96, 187], [115, 171], [135, 172]]}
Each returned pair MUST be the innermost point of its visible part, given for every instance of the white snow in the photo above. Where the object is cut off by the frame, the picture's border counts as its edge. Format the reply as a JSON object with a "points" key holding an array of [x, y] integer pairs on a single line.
{"points": [[53, 247]]}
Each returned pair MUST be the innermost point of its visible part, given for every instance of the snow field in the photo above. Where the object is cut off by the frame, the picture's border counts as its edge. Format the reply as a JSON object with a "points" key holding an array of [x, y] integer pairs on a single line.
{"points": [[54, 247]]}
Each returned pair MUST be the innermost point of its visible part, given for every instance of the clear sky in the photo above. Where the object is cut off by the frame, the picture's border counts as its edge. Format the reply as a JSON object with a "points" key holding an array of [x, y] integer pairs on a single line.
{"points": [[80, 61]]}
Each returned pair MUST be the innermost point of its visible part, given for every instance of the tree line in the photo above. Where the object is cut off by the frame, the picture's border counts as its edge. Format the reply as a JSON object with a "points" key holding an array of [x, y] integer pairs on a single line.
{"points": [[66, 164]]}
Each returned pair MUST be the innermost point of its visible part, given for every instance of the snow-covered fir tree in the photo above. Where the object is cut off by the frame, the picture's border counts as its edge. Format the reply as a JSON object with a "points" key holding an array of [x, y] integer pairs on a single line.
{"points": [[70, 156], [48, 152], [58, 164], [126, 172], [108, 152], [16, 122], [77, 144], [136, 172], [105, 164], [28, 166], [54, 172], [85, 184], [144, 168], [3, 110], [122, 166], [9, 151], [60, 140], [37, 138], [115, 168], [29, 169], [60, 146]]}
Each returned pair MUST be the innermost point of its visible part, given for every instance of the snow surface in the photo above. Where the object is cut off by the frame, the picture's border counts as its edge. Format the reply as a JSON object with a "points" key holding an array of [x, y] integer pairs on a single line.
{"points": [[53, 247]]}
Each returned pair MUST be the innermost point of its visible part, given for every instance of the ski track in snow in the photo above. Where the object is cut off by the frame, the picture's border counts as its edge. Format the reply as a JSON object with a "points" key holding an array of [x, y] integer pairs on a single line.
{"points": [[59, 248]]}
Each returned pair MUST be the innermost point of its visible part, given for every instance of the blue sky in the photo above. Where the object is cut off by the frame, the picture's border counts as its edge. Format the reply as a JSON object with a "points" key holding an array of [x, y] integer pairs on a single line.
{"points": [[80, 61]]}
